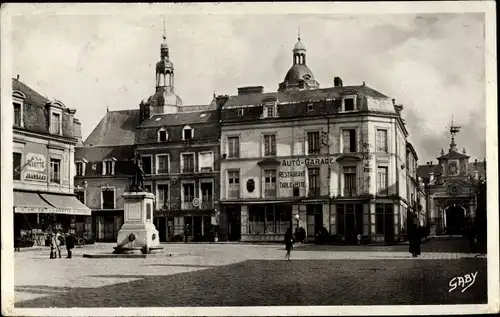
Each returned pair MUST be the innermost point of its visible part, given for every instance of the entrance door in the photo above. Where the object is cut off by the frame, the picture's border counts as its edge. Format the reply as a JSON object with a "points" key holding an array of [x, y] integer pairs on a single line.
{"points": [[350, 227], [389, 225], [233, 223], [162, 229], [197, 224], [314, 221], [455, 220], [109, 224]]}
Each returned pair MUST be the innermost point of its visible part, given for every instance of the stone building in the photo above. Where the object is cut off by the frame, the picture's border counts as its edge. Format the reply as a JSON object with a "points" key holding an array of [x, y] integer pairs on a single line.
{"points": [[44, 137], [417, 212], [313, 157], [179, 146], [451, 187]]}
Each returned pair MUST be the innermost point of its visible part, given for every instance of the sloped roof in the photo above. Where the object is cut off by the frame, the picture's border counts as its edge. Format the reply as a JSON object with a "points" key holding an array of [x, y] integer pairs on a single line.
{"points": [[300, 95], [99, 153], [181, 118], [453, 155], [32, 97], [115, 128], [192, 108]]}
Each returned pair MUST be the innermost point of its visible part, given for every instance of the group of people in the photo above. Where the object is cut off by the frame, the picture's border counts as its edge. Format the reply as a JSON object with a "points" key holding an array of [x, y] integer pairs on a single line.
{"points": [[56, 240]]}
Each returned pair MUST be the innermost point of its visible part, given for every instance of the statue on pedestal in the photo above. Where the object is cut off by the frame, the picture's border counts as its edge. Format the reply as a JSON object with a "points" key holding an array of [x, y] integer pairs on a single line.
{"points": [[138, 179]]}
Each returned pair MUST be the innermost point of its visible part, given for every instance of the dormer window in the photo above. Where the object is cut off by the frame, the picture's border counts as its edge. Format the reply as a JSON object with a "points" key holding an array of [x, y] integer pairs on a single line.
{"points": [[18, 102], [108, 166], [17, 114], [187, 133], [349, 103], [80, 167], [162, 135]]}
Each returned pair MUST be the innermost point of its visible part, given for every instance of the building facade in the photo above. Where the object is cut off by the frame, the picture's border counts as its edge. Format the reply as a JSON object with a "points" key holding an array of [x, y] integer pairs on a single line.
{"points": [[451, 187], [179, 148], [44, 137], [331, 158], [417, 212]]}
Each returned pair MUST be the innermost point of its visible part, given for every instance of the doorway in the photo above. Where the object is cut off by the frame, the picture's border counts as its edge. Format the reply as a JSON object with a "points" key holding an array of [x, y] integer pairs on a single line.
{"points": [[389, 224], [162, 226], [455, 220], [233, 223], [314, 220], [197, 224]]}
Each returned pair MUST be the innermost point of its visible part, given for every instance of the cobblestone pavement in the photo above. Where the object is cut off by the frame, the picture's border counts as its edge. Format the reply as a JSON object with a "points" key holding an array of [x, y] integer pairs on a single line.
{"points": [[245, 275]]}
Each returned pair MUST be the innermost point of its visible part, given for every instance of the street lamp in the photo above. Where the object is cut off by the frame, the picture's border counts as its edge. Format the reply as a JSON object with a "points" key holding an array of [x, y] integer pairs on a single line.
{"points": [[297, 217]]}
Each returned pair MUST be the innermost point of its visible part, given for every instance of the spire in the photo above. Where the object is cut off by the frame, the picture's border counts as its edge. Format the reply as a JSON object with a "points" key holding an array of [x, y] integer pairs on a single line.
{"points": [[454, 129], [164, 45], [298, 32]]}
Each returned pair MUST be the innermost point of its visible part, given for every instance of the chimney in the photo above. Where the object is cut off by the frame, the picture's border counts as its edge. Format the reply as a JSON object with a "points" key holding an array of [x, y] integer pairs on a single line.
{"points": [[250, 90], [71, 120], [77, 131], [221, 100], [337, 82], [394, 102], [17, 78], [431, 176]]}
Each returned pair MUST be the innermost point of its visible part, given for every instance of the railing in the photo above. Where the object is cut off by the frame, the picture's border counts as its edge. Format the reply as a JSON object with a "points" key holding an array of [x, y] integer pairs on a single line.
{"points": [[163, 171], [233, 193], [350, 192], [108, 206], [189, 169], [187, 205], [270, 193], [163, 205], [207, 204], [314, 192], [206, 169]]}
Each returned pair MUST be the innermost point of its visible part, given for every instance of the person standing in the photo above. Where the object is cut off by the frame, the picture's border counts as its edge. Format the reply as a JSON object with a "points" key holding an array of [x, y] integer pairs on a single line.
{"points": [[414, 240], [70, 244], [57, 238], [288, 243], [186, 233]]}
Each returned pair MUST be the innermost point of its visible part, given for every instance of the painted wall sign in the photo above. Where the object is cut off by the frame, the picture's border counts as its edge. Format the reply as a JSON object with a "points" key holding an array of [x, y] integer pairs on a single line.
{"points": [[35, 162], [39, 177], [309, 161], [292, 174]]}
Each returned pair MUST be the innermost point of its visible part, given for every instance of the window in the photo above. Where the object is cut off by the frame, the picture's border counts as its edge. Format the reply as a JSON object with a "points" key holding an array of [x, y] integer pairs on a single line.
{"points": [[79, 168], [349, 140], [17, 114], [382, 180], [233, 146], [108, 167], [55, 123], [187, 163], [349, 104], [310, 107], [270, 183], [55, 170], [270, 145], [147, 163], [270, 218], [256, 220], [162, 195], [313, 142], [350, 181], [269, 111], [187, 133], [206, 161], [108, 198], [381, 140], [188, 190], [162, 135], [240, 112], [17, 157], [314, 181], [80, 195], [234, 184], [162, 166], [206, 195], [383, 218]]}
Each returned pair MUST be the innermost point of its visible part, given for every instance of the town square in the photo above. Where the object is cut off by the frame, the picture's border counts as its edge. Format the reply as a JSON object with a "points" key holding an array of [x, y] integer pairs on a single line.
{"points": [[168, 158]]}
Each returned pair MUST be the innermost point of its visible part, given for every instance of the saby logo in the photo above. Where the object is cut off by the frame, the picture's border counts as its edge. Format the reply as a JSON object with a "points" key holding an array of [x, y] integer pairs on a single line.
{"points": [[464, 282]]}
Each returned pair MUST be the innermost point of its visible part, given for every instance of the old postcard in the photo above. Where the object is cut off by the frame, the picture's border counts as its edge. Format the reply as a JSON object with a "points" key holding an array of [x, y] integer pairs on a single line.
{"points": [[249, 159]]}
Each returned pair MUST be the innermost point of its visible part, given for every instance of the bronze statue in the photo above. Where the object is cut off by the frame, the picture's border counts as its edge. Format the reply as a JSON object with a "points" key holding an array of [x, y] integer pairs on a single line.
{"points": [[138, 179]]}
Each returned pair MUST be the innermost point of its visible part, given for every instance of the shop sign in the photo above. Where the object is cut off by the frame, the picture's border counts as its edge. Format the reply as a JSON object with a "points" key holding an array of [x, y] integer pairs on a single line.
{"points": [[41, 210], [309, 161], [35, 168], [284, 176]]}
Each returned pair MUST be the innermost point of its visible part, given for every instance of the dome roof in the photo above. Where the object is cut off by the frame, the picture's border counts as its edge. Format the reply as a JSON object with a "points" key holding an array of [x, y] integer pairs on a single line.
{"points": [[164, 64], [165, 98], [299, 46], [298, 71]]}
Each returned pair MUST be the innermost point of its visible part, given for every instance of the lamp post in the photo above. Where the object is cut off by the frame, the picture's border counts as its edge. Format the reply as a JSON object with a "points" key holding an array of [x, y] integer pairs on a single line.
{"points": [[297, 217]]}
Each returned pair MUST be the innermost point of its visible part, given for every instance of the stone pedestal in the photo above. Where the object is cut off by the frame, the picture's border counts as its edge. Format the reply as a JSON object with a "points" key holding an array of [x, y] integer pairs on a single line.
{"points": [[138, 233]]}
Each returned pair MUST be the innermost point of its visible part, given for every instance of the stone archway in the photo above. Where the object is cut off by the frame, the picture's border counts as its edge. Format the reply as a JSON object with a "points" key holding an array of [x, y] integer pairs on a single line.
{"points": [[454, 219]]}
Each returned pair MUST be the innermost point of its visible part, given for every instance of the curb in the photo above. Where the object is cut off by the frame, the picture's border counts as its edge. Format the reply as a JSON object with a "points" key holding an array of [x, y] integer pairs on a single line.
{"points": [[132, 256]]}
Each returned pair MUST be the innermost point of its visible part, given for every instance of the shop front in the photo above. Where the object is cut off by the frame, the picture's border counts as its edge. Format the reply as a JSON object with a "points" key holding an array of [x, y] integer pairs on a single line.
{"points": [[265, 221], [105, 224], [38, 213]]}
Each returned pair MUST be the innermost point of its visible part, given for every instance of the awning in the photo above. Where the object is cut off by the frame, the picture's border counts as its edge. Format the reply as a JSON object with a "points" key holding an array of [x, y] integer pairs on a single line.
{"points": [[30, 203], [67, 204]]}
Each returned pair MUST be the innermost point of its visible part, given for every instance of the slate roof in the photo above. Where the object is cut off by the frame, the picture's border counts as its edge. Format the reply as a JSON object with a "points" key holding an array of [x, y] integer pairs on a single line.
{"points": [[115, 128], [301, 95], [32, 97], [99, 153], [181, 118], [197, 108]]}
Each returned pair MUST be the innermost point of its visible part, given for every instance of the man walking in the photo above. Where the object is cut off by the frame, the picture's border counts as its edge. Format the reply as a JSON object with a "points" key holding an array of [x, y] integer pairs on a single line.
{"points": [[70, 244]]}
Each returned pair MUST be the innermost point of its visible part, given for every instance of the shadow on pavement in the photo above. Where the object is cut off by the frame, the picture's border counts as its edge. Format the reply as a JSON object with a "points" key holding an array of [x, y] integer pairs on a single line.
{"points": [[279, 282]]}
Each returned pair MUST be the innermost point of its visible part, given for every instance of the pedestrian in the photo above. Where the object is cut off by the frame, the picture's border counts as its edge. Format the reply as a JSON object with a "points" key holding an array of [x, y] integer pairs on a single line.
{"points": [[53, 246], [414, 240], [186, 233], [288, 243], [57, 243], [70, 244]]}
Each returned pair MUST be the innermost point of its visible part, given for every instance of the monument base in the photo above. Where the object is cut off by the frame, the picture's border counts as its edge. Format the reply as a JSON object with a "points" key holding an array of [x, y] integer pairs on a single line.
{"points": [[138, 234]]}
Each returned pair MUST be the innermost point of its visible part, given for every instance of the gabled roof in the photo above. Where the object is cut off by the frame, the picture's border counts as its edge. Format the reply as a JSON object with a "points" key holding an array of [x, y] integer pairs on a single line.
{"points": [[300, 95], [453, 155], [115, 128]]}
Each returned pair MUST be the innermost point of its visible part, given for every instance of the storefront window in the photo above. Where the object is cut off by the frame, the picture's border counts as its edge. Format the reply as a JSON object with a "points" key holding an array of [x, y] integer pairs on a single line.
{"points": [[269, 219], [256, 220]]}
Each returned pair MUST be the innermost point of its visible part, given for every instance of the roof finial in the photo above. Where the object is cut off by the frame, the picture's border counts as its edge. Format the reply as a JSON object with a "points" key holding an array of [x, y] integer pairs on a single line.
{"points": [[107, 108], [454, 129], [298, 32], [164, 33]]}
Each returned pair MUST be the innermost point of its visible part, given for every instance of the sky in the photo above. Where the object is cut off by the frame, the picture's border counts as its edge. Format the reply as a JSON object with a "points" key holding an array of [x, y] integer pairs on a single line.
{"points": [[432, 64]]}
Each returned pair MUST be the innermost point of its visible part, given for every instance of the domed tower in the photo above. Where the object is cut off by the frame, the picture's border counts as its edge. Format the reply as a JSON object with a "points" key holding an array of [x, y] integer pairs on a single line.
{"points": [[164, 100], [299, 76]]}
